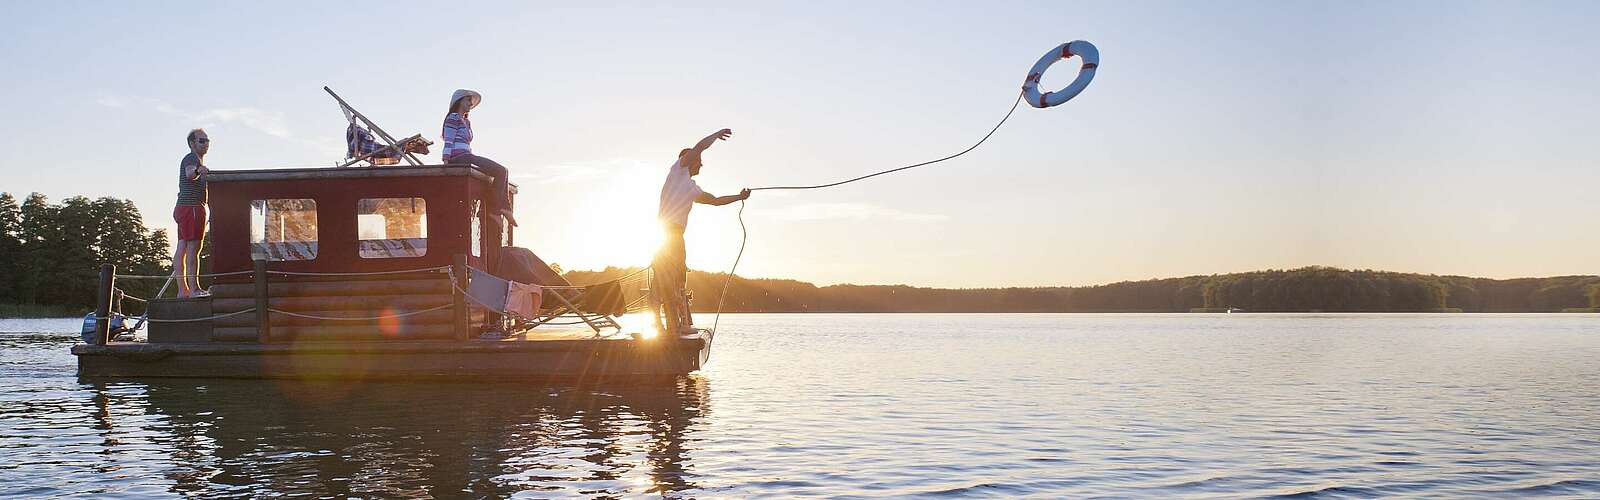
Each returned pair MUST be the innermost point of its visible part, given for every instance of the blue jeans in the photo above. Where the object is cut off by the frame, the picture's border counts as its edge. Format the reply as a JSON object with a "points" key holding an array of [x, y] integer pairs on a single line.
{"points": [[501, 198]]}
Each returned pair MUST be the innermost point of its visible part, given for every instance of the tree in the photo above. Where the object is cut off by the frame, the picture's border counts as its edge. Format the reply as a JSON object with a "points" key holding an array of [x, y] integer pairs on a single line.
{"points": [[74, 254], [59, 249], [10, 247], [36, 235], [122, 240]]}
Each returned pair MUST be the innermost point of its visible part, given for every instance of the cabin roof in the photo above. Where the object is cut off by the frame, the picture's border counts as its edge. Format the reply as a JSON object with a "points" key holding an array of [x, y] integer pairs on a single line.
{"points": [[283, 174]]}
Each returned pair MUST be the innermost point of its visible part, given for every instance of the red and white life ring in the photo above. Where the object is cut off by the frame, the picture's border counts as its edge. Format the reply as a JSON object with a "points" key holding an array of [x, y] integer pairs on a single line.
{"points": [[1080, 48]]}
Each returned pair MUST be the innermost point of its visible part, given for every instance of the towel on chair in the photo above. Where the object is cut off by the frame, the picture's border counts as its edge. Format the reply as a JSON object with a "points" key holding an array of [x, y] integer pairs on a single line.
{"points": [[523, 299]]}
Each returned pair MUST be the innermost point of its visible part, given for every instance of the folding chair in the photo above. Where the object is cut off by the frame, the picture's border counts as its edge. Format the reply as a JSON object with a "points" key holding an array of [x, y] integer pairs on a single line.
{"points": [[360, 144], [560, 302]]}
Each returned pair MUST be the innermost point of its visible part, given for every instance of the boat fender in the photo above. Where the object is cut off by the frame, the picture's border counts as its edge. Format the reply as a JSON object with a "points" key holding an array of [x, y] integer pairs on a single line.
{"points": [[1080, 48]]}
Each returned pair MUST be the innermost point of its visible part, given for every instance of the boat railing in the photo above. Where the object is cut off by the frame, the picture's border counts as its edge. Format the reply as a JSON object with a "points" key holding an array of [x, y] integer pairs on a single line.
{"points": [[248, 307]]}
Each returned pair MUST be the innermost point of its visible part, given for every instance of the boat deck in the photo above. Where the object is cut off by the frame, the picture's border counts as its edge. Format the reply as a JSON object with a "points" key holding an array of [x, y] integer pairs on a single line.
{"points": [[555, 354]]}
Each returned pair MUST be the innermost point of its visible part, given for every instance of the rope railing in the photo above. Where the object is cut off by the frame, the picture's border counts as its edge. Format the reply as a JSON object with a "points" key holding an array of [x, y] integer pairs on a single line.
{"points": [[639, 275], [166, 276], [372, 273], [360, 318], [188, 320], [281, 273]]}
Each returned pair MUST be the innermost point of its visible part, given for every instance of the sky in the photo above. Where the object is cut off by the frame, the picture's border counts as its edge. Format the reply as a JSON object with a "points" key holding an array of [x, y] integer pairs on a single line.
{"points": [[1430, 137]]}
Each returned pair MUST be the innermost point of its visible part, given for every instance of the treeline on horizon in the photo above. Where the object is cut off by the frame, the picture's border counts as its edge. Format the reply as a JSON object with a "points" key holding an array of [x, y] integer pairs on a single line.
{"points": [[50, 253], [1309, 289]]}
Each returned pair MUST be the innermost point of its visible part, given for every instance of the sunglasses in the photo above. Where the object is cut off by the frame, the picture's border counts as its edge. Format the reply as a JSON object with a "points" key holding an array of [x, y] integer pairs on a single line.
{"points": [[202, 140]]}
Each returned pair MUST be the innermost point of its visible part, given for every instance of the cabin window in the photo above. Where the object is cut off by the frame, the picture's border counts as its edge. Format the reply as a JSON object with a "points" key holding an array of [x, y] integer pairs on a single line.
{"points": [[283, 229], [477, 229], [392, 227]]}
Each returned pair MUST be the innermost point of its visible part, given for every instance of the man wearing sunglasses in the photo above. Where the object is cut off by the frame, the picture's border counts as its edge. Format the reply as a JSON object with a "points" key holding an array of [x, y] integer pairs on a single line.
{"points": [[190, 214]]}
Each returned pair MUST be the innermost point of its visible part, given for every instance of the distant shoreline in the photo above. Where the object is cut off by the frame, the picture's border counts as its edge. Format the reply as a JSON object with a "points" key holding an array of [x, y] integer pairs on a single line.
{"points": [[1305, 290], [1302, 290], [40, 311]]}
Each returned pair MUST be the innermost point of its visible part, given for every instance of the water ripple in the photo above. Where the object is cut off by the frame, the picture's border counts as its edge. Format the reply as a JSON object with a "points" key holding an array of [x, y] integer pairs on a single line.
{"points": [[870, 406]]}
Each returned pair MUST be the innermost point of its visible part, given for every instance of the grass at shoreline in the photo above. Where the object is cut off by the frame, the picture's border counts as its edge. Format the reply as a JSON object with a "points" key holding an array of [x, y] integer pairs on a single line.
{"points": [[22, 311]]}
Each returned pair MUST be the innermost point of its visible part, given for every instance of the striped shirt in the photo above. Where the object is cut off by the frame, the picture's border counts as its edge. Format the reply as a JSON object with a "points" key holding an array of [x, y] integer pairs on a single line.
{"points": [[457, 136], [677, 196], [190, 191]]}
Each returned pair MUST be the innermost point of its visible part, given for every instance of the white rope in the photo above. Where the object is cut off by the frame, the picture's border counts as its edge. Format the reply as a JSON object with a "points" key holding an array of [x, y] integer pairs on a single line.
{"points": [[164, 276], [360, 318], [188, 320]]}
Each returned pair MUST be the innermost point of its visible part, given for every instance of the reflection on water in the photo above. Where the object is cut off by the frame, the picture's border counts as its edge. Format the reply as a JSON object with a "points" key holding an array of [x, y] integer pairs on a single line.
{"points": [[864, 405], [387, 439], [235, 437]]}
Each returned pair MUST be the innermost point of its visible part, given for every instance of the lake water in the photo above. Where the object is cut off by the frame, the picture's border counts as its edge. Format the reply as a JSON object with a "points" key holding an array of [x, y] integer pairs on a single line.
{"points": [[871, 405]]}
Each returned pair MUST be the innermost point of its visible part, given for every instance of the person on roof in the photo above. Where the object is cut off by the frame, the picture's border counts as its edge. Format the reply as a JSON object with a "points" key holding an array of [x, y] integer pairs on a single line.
{"points": [[679, 193], [457, 137]]}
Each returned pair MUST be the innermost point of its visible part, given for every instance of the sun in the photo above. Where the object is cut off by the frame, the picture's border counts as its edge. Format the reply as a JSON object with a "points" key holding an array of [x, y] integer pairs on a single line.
{"points": [[592, 225]]}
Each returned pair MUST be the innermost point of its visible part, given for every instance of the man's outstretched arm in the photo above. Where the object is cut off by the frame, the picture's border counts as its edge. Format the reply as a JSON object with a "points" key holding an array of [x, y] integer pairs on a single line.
{"points": [[708, 199], [706, 143]]}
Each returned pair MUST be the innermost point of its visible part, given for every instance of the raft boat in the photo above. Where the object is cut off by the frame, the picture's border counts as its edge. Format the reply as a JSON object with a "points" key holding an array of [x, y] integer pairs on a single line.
{"points": [[364, 273]]}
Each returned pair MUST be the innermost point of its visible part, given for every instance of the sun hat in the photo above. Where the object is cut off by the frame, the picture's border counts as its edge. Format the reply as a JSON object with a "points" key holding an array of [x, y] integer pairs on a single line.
{"points": [[464, 93]]}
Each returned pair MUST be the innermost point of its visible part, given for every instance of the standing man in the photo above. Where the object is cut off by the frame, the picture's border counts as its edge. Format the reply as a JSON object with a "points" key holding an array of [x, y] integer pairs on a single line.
{"points": [[190, 215], [679, 194]]}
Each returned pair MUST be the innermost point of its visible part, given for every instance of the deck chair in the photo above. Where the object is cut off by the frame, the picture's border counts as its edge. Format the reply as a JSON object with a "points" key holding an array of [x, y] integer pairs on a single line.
{"points": [[560, 302], [362, 137], [360, 146]]}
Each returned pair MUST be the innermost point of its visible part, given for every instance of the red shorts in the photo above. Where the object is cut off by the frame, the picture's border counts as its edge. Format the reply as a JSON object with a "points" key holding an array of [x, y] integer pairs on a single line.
{"points": [[191, 221]]}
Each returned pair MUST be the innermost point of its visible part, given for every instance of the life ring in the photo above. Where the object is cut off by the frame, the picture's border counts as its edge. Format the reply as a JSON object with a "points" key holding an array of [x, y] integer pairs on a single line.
{"points": [[1080, 48]]}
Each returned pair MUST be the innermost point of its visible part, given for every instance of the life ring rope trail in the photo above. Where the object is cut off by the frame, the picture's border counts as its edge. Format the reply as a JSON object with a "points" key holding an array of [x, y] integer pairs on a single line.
{"points": [[1030, 93]]}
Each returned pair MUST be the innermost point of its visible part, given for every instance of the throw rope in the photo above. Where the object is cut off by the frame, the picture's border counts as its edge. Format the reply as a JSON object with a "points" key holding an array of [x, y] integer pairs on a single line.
{"points": [[907, 167], [744, 234]]}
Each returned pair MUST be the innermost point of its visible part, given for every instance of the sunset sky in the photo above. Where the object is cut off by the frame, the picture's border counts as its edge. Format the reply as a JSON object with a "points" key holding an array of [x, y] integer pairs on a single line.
{"points": [[1433, 137]]}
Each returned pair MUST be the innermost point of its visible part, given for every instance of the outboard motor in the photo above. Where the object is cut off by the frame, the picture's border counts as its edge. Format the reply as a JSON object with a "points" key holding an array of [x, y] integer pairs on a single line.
{"points": [[88, 328]]}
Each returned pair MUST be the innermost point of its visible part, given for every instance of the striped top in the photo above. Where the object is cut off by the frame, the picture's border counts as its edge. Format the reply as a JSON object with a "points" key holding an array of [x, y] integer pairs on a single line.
{"points": [[677, 196], [190, 191], [457, 136]]}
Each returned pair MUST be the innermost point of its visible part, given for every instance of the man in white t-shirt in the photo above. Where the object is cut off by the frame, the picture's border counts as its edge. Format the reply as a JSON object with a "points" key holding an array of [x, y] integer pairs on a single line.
{"points": [[679, 194]]}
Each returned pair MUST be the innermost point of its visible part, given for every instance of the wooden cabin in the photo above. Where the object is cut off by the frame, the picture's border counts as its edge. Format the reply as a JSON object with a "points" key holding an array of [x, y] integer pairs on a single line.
{"points": [[339, 265], [351, 220]]}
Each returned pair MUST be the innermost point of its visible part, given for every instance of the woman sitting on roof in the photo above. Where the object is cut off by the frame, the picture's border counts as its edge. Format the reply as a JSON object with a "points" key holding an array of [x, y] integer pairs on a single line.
{"points": [[458, 150]]}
